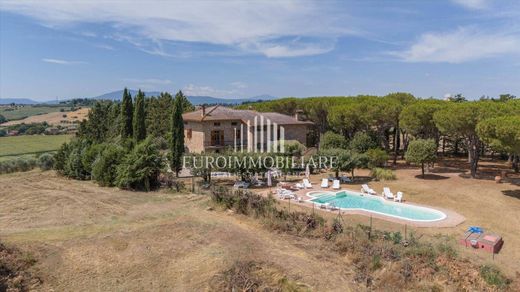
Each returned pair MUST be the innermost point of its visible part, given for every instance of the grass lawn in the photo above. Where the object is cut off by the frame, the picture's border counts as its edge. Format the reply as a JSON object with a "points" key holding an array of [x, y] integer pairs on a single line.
{"points": [[30, 144], [27, 111]]}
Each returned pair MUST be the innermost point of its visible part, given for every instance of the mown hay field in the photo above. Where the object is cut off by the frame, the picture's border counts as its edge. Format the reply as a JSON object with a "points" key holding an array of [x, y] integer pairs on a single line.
{"points": [[27, 111]]}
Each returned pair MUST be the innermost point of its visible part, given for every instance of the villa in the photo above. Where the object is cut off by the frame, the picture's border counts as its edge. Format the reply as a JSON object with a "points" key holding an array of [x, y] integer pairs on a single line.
{"points": [[213, 129]]}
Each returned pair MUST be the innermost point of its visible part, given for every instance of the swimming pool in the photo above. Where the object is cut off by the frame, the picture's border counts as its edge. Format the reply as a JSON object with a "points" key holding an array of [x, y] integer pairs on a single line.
{"points": [[349, 200]]}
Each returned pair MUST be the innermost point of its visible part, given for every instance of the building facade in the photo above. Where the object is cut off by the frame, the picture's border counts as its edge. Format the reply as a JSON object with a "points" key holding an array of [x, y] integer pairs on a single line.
{"points": [[219, 128]]}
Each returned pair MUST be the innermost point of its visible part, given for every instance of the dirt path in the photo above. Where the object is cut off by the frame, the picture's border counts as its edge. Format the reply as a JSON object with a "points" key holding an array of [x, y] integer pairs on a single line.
{"points": [[98, 239]]}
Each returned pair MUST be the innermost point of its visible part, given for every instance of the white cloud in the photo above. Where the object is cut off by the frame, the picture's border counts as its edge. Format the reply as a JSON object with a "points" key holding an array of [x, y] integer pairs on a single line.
{"points": [[264, 27], [239, 84], [461, 45], [148, 84], [62, 62], [473, 4], [192, 89]]}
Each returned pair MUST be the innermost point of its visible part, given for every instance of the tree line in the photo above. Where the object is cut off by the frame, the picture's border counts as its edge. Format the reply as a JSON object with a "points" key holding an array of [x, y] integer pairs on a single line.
{"points": [[391, 122], [123, 143]]}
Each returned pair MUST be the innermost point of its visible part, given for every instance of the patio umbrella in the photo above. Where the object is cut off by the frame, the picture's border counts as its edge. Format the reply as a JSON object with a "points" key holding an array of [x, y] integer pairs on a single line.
{"points": [[269, 182], [307, 171]]}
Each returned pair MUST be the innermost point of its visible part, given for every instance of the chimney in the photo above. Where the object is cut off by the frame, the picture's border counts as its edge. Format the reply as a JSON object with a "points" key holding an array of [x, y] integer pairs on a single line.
{"points": [[203, 110], [298, 115]]}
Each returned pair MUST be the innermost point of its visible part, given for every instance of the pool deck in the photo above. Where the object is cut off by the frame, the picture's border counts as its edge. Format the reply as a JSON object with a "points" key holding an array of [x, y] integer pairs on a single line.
{"points": [[452, 219]]}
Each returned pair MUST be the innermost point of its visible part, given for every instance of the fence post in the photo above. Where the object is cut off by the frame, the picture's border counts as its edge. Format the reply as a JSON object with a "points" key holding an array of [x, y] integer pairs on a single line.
{"points": [[370, 230]]}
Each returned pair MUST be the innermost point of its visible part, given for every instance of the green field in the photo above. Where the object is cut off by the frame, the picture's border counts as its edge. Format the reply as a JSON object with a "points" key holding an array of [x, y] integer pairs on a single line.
{"points": [[27, 111], [30, 144]]}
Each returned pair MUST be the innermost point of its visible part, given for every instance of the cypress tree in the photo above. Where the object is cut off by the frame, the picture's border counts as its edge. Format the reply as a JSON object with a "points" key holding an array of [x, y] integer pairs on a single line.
{"points": [[139, 118], [127, 110], [177, 134]]}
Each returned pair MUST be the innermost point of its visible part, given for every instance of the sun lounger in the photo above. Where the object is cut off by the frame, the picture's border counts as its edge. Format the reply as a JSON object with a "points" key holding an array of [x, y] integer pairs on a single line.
{"points": [[331, 177], [399, 197], [335, 184], [367, 190], [345, 179], [324, 183], [300, 185], [333, 207], [307, 184], [285, 194], [241, 184], [387, 194]]}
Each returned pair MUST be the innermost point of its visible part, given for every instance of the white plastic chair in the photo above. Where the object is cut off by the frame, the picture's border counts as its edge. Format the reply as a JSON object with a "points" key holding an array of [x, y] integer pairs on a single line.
{"points": [[324, 183], [335, 184]]}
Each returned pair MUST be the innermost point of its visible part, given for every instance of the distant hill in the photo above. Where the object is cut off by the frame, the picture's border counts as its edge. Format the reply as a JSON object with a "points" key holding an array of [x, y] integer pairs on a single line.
{"points": [[196, 100], [17, 101], [116, 95]]}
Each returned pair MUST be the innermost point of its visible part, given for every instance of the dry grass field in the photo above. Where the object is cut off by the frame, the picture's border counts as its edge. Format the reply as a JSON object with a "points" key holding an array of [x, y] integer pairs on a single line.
{"points": [[89, 238], [53, 118], [101, 239]]}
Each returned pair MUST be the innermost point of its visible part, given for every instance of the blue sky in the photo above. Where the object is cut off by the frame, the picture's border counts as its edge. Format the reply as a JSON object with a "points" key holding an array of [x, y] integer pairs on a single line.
{"points": [[66, 49]]}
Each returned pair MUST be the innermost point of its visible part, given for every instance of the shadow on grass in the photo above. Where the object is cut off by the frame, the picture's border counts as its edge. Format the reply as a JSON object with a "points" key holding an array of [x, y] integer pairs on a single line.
{"points": [[431, 177], [512, 193], [448, 170]]}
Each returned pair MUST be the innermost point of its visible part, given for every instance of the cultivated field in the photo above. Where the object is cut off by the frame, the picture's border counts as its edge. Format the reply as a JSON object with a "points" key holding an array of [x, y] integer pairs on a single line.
{"points": [[30, 144], [85, 237], [20, 112], [53, 118]]}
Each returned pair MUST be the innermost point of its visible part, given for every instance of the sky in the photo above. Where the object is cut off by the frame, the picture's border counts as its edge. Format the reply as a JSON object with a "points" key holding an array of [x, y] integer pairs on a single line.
{"points": [[68, 49]]}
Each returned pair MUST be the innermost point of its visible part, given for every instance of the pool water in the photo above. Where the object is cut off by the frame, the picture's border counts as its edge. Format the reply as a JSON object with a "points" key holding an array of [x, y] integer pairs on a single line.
{"points": [[356, 201]]}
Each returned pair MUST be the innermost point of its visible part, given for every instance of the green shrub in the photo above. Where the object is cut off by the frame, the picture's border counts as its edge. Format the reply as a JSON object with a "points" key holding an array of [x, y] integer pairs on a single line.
{"points": [[17, 164], [60, 158], [161, 143], [46, 161], [377, 157], [140, 169], [104, 168], [382, 174], [331, 140], [74, 167], [25, 164], [493, 276], [90, 155]]}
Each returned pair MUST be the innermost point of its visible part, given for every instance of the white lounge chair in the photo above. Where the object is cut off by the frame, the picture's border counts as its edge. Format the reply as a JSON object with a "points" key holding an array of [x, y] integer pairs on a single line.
{"points": [[285, 194], [335, 184], [324, 183], [241, 184], [333, 207], [399, 197], [367, 190], [307, 184], [387, 194], [300, 185]]}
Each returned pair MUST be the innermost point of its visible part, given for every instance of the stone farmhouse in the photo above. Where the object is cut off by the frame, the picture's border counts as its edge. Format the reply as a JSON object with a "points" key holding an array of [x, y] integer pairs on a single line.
{"points": [[219, 128]]}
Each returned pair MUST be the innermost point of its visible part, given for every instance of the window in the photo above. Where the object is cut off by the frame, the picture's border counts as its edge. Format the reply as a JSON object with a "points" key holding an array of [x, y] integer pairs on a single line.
{"points": [[188, 133], [216, 124], [238, 134], [233, 123], [185, 123], [217, 138]]}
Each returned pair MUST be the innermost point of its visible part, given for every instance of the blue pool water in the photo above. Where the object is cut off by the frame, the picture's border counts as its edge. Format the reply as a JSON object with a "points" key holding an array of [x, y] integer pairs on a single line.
{"points": [[352, 200]]}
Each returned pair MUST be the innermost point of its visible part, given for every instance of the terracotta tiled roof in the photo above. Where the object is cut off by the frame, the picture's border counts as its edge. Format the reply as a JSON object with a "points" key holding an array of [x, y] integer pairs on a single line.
{"points": [[222, 113]]}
